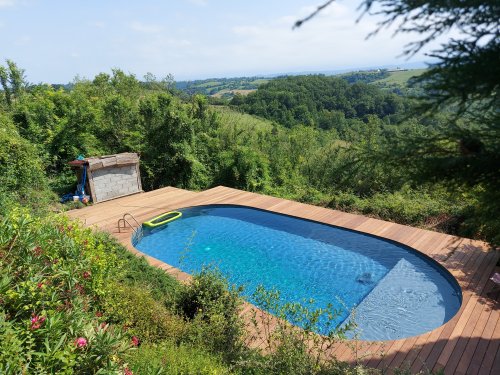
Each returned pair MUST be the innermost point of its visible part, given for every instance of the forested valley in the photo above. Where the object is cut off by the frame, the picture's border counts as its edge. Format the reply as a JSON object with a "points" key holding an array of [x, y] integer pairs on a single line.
{"points": [[330, 141]]}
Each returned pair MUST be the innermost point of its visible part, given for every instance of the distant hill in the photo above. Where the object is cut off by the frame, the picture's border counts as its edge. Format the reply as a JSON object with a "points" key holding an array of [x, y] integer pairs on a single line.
{"points": [[397, 82], [400, 77], [365, 76], [221, 87], [318, 100], [226, 88]]}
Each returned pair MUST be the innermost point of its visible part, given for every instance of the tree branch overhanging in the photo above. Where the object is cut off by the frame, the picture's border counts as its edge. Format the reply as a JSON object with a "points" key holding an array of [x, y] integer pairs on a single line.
{"points": [[299, 23]]}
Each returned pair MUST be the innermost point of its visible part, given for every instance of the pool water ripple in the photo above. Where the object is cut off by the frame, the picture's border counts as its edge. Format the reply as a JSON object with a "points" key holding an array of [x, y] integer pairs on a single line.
{"points": [[396, 292]]}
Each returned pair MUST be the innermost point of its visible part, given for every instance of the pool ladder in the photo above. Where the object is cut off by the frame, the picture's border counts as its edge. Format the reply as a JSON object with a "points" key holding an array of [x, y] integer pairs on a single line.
{"points": [[138, 232]]}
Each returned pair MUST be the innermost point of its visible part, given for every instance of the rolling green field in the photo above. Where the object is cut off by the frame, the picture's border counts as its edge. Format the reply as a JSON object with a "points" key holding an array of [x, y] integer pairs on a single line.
{"points": [[228, 87], [242, 121], [230, 93], [221, 87], [400, 78]]}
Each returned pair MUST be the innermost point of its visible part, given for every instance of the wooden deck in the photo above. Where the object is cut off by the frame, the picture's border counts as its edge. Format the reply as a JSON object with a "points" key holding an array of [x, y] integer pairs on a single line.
{"points": [[468, 344]]}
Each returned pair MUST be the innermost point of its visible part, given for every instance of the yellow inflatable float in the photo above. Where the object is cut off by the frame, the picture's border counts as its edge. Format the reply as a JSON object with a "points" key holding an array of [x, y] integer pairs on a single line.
{"points": [[162, 219]]}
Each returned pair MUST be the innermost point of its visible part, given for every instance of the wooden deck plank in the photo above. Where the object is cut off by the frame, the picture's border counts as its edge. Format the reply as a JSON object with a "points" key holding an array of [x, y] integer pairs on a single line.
{"points": [[142, 208], [476, 322], [373, 352], [491, 359], [468, 343], [489, 331], [470, 299], [468, 307], [440, 337], [495, 370], [480, 332], [477, 359], [399, 357]]}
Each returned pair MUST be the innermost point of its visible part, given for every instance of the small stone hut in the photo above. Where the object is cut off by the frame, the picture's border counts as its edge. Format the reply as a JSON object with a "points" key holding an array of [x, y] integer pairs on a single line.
{"points": [[110, 176]]}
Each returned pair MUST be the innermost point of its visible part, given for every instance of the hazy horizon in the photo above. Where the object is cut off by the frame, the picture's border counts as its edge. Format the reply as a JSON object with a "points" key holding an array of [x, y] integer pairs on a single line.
{"points": [[191, 39]]}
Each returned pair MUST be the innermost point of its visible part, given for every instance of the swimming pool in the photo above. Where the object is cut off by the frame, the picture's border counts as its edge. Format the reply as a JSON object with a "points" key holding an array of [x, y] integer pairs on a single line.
{"points": [[396, 292]]}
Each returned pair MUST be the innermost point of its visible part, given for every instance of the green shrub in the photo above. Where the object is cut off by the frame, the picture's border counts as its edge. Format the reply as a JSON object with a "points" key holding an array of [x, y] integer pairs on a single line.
{"points": [[481, 216], [244, 168], [421, 207], [52, 275], [11, 348], [212, 306], [144, 317], [292, 350], [22, 177], [168, 358]]}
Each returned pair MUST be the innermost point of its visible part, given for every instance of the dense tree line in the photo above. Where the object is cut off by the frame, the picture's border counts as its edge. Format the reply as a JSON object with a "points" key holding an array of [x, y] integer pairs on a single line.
{"points": [[318, 100], [462, 82], [190, 144], [365, 76]]}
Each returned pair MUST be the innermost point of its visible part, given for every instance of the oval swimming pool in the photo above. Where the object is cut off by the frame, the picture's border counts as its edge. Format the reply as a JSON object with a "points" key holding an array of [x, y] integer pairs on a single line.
{"points": [[396, 291]]}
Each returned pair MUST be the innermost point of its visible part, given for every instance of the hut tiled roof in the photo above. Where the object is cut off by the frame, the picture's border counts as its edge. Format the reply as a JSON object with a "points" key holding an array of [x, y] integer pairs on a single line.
{"points": [[125, 158]]}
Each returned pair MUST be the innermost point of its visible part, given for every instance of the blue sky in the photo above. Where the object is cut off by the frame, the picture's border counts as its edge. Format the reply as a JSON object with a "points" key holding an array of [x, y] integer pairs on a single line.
{"points": [[55, 40]]}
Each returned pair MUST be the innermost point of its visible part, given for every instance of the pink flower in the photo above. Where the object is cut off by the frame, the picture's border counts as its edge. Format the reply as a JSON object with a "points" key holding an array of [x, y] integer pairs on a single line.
{"points": [[127, 371], [98, 314], [135, 341], [86, 274], [37, 321], [39, 285], [81, 342]]}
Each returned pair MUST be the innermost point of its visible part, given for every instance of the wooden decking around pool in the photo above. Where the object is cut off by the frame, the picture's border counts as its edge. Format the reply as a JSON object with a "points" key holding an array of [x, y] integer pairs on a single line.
{"points": [[468, 344]]}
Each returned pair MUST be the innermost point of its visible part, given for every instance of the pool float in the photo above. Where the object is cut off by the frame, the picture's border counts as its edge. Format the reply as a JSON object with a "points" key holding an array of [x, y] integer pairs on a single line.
{"points": [[162, 219]]}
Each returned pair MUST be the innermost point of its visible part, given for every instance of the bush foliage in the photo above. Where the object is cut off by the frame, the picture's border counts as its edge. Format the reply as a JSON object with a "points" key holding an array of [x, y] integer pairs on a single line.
{"points": [[53, 276], [319, 139], [75, 301]]}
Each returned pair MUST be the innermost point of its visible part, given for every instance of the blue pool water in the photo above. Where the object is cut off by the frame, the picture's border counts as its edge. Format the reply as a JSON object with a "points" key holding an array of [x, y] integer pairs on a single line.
{"points": [[394, 291]]}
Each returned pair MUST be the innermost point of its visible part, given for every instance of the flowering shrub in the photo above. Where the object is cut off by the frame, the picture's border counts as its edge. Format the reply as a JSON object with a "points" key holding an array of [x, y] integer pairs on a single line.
{"points": [[53, 274], [81, 342], [37, 321]]}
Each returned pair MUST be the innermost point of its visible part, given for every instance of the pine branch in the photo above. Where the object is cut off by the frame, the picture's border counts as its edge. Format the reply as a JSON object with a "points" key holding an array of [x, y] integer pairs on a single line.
{"points": [[313, 14]]}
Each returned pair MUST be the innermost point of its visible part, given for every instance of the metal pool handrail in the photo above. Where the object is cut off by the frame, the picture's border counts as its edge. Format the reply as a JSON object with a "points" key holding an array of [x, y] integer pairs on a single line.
{"points": [[138, 231]]}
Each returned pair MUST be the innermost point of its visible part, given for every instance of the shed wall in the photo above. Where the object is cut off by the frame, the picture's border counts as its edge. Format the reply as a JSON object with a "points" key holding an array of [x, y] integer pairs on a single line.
{"points": [[112, 182]]}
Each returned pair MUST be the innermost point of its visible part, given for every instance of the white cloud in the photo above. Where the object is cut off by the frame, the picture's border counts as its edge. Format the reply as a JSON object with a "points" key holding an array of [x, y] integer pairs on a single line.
{"points": [[146, 28], [211, 39], [331, 40]]}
